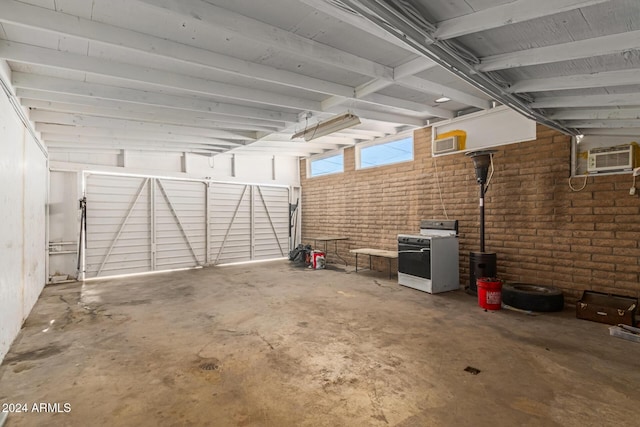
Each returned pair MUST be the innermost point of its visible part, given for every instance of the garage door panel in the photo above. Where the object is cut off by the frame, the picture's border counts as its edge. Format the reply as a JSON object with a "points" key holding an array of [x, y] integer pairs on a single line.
{"points": [[132, 219], [131, 268], [121, 257], [118, 212], [230, 217], [138, 224], [180, 221], [271, 211]]}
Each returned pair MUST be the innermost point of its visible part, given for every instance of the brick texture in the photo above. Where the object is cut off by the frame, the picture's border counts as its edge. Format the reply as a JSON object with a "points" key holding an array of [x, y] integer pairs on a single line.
{"points": [[542, 231]]}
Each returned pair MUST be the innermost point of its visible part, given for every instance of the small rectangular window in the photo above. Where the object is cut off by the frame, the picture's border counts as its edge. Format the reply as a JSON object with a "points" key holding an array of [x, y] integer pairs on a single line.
{"points": [[327, 165], [400, 150]]}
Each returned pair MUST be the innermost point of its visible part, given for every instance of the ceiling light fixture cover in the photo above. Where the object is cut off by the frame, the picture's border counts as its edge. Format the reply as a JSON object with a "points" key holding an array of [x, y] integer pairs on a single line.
{"points": [[443, 99], [327, 127]]}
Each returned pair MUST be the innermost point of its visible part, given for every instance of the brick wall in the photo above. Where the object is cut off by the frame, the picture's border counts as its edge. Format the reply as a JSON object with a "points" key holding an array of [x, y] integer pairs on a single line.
{"points": [[542, 231]]}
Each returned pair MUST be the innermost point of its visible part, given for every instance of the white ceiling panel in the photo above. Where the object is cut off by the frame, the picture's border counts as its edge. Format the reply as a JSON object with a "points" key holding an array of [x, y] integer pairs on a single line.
{"points": [[195, 75]]}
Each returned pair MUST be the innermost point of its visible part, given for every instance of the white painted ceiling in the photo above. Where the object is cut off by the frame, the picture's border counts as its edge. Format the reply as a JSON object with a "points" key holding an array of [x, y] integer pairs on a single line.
{"points": [[245, 75]]}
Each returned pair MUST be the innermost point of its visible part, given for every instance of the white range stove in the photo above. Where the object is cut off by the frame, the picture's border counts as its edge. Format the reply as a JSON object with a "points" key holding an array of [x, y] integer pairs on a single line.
{"points": [[429, 261]]}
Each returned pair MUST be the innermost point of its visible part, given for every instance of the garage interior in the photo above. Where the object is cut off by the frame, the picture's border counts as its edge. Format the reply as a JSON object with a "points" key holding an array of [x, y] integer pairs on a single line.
{"points": [[161, 159]]}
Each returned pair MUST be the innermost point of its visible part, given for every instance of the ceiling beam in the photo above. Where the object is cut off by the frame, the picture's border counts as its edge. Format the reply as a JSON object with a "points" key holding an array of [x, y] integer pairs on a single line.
{"points": [[175, 119], [597, 46], [439, 90], [408, 106], [407, 27], [597, 114], [400, 72], [109, 108], [397, 119], [96, 141], [578, 81], [386, 116], [34, 55], [267, 152], [337, 138], [272, 147], [354, 20], [93, 121], [632, 132], [125, 145], [386, 128], [55, 132], [124, 142], [94, 90], [317, 147], [414, 66], [360, 131], [506, 14], [604, 123], [30, 16], [238, 25], [604, 100], [286, 138]]}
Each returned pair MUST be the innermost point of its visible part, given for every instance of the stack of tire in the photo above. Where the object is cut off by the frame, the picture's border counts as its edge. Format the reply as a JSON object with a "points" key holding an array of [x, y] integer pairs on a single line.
{"points": [[532, 297]]}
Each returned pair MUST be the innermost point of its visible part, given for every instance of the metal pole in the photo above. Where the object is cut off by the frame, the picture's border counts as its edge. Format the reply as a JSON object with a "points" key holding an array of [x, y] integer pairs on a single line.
{"points": [[482, 217]]}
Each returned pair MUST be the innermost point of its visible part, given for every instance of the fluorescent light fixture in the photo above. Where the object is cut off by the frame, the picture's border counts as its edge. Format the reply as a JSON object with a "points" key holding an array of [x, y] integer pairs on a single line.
{"points": [[324, 128], [442, 99]]}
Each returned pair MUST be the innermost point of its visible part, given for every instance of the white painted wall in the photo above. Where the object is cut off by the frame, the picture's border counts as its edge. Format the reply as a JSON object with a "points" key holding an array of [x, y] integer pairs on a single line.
{"points": [[249, 168], [92, 158], [23, 199], [64, 214]]}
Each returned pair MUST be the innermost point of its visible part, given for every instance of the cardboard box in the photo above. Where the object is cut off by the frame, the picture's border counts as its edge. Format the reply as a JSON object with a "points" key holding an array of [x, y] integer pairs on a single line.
{"points": [[607, 308]]}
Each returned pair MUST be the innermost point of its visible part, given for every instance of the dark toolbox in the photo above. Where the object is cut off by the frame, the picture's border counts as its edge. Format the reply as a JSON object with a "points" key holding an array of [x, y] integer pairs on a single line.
{"points": [[607, 308]]}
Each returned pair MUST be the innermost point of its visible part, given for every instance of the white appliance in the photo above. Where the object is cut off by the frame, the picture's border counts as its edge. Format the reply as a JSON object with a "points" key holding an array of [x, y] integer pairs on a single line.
{"points": [[607, 159], [445, 145], [429, 262]]}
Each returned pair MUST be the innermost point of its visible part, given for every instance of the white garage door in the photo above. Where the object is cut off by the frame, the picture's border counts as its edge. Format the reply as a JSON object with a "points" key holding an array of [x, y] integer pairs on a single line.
{"points": [[143, 224], [248, 222]]}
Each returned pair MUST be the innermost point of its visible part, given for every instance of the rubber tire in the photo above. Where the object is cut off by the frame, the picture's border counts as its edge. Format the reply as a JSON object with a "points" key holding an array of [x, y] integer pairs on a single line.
{"points": [[532, 297]]}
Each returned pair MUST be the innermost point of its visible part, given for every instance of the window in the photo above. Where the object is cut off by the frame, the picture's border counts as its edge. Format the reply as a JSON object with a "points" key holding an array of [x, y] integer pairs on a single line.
{"points": [[399, 150], [327, 165]]}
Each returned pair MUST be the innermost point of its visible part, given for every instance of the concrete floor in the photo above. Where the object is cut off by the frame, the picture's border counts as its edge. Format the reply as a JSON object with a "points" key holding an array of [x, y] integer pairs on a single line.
{"points": [[275, 345]]}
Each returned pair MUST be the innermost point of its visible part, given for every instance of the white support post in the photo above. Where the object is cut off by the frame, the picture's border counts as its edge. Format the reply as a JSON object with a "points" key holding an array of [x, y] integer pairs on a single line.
{"points": [[153, 225], [207, 222], [252, 220]]}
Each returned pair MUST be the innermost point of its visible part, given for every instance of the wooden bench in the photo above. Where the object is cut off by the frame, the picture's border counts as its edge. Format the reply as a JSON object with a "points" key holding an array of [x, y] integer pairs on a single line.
{"points": [[375, 252]]}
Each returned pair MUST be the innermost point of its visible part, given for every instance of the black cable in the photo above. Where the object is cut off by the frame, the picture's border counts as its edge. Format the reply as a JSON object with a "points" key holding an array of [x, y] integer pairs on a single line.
{"points": [[83, 231]]}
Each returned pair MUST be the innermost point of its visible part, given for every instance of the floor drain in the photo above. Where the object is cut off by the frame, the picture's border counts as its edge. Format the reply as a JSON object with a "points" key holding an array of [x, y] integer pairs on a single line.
{"points": [[209, 367]]}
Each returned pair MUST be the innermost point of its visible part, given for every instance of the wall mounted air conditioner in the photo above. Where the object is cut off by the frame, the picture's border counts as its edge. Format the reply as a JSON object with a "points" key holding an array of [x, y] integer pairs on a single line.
{"points": [[445, 145], [610, 159]]}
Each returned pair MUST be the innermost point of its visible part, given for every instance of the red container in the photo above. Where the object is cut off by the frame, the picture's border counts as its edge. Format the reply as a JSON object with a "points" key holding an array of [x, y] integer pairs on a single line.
{"points": [[317, 260], [489, 293]]}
